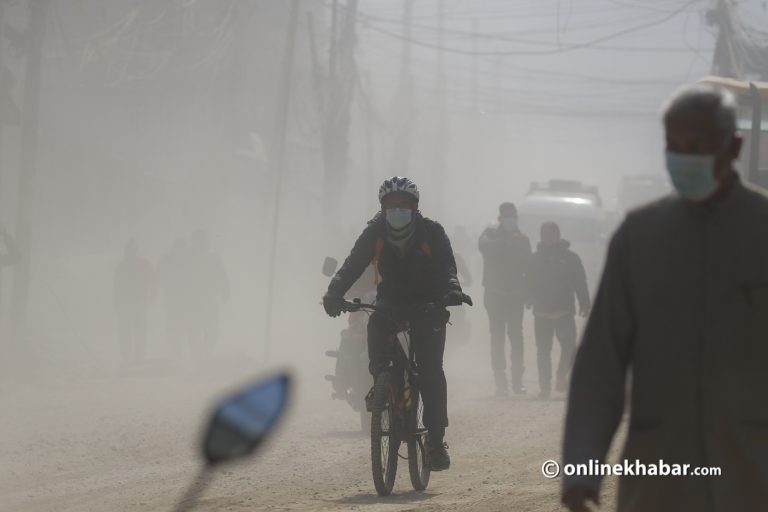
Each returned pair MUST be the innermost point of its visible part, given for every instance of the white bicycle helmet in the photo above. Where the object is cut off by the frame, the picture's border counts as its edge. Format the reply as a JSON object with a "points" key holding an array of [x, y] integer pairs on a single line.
{"points": [[398, 184]]}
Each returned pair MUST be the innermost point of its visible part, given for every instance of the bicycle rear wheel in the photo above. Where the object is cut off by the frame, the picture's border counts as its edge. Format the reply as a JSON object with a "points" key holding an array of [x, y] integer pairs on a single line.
{"points": [[418, 456], [385, 440]]}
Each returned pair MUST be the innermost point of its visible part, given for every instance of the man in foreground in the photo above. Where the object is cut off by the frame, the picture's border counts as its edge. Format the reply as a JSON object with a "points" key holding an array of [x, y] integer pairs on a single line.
{"points": [[683, 302]]}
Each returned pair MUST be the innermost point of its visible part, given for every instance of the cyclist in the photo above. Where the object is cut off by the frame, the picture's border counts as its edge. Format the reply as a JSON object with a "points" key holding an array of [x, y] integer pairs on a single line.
{"points": [[414, 264]]}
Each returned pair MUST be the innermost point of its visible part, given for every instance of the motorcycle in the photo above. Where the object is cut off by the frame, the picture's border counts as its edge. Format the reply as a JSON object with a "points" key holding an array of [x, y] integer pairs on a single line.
{"points": [[351, 379]]}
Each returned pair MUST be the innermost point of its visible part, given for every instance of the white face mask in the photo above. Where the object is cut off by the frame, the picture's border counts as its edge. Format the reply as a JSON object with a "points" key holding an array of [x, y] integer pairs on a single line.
{"points": [[398, 218]]}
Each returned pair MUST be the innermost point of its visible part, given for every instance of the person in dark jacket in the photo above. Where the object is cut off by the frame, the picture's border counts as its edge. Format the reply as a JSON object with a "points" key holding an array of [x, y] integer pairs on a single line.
{"points": [[556, 276], [415, 262], [506, 255]]}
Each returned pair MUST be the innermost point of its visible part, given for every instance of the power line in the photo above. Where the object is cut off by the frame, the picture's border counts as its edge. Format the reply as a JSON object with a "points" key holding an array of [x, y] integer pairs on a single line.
{"points": [[563, 49]]}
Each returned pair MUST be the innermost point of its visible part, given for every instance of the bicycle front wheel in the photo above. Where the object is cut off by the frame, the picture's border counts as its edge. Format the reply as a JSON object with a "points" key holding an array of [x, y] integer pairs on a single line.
{"points": [[385, 441], [418, 457]]}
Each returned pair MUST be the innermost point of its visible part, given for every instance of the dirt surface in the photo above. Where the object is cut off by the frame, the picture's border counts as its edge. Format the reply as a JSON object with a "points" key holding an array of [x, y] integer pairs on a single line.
{"points": [[127, 442]]}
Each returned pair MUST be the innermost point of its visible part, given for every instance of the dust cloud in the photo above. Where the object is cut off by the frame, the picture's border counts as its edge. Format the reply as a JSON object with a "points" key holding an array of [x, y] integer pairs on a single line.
{"points": [[173, 173]]}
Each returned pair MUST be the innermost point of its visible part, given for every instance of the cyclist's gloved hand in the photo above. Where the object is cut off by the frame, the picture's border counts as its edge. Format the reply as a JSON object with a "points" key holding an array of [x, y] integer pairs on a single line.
{"points": [[457, 298], [333, 305]]}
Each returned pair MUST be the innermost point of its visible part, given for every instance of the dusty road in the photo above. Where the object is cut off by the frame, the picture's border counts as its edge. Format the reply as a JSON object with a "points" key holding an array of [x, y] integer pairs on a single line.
{"points": [[127, 443]]}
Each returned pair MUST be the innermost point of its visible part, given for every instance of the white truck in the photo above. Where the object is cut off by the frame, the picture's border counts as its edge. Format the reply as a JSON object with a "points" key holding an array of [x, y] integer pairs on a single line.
{"points": [[578, 211]]}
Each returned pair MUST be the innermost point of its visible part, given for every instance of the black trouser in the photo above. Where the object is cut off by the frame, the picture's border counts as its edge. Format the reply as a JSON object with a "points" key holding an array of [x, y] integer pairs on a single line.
{"points": [[546, 328], [505, 318], [428, 339]]}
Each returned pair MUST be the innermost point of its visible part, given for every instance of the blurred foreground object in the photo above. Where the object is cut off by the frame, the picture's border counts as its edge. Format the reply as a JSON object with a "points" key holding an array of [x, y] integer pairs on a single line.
{"points": [[239, 424]]}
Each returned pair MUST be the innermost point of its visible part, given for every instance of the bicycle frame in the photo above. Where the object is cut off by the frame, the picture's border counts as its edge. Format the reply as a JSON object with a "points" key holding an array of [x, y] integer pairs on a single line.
{"points": [[397, 416], [401, 339], [402, 360]]}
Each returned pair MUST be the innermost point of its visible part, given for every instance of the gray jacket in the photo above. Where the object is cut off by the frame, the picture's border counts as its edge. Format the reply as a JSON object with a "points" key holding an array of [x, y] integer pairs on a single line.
{"points": [[683, 302], [506, 257]]}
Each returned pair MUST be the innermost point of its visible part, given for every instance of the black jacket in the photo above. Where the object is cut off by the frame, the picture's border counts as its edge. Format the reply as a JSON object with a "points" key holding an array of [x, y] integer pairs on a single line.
{"points": [[414, 277], [506, 257], [557, 275]]}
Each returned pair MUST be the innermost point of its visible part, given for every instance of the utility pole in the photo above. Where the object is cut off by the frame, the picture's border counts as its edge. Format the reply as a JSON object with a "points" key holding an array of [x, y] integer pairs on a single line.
{"points": [[6, 91], [725, 60], [756, 132], [28, 171], [277, 161], [6, 86], [334, 47], [498, 84], [475, 36], [317, 75], [438, 174], [401, 155], [370, 168], [336, 134]]}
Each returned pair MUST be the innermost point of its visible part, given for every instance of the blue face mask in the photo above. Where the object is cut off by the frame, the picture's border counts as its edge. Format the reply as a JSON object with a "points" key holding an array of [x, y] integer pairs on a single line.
{"points": [[398, 218], [693, 176]]}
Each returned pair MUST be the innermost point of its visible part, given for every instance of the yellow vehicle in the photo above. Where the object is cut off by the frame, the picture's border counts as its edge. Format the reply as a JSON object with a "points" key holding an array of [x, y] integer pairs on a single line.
{"points": [[752, 99]]}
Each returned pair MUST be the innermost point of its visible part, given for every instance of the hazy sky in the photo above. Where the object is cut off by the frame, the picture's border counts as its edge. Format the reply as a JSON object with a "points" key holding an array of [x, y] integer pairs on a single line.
{"points": [[575, 87]]}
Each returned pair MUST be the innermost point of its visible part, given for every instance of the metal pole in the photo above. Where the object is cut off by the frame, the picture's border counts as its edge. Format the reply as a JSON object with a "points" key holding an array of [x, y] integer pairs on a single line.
{"points": [[3, 118], [3, 114], [337, 119], [28, 167], [193, 493], [440, 88], [278, 161], [404, 100], [474, 65], [754, 145], [334, 40], [317, 74]]}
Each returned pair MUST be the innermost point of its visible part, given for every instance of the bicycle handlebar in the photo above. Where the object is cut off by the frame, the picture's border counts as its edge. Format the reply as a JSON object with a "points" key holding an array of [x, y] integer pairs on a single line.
{"points": [[426, 307]]}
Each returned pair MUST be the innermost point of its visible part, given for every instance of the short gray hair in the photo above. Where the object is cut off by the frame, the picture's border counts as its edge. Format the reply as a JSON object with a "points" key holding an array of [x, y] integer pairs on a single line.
{"points": [[706, 100]]}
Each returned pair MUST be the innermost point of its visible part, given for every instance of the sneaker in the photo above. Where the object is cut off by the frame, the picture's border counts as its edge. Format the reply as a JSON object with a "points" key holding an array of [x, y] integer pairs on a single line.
{"points": [[520, 390], [369, 400], [501, 393], [544, 394], [438, 457], [561, 385]]}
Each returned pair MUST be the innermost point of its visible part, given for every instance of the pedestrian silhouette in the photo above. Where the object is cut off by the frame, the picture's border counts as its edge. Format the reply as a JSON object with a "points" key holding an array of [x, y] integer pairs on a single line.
{"points": [[208, 288], [556, 280], [506, 255], [174, 278], [134, 288]]}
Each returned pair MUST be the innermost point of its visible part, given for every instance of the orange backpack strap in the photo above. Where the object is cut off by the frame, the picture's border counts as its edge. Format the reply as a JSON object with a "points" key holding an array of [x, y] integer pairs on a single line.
{"points": [[426, 249], [379, 248]]}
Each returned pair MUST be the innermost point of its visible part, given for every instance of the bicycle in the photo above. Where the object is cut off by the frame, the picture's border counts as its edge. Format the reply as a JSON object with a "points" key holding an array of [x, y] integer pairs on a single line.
{"points": [[397, 412]]}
